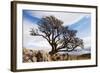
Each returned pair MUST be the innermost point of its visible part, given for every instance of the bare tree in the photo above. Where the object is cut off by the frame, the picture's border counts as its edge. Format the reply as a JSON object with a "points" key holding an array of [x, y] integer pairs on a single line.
{"points": [[59, 37]]}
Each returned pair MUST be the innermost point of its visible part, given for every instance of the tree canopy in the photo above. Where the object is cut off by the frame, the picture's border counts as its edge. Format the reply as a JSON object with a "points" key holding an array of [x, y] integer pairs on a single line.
{"points": [[60, 37]]}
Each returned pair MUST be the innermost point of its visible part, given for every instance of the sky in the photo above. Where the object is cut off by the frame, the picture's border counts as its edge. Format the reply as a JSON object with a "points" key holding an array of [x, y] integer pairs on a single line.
{"points": [[75, 20]]}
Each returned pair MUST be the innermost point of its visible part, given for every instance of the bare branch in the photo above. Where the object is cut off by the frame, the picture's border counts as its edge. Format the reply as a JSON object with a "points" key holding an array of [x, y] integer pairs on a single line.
{"points": [[58, 36]]}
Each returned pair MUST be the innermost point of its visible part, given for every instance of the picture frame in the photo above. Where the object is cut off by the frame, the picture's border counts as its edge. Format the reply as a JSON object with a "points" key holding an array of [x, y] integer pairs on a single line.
{"points": [[33, 24]]}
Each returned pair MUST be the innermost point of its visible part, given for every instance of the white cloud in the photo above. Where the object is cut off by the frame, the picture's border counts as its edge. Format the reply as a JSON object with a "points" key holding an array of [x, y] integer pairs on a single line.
{"points": [[87, 41], [33, 42]]}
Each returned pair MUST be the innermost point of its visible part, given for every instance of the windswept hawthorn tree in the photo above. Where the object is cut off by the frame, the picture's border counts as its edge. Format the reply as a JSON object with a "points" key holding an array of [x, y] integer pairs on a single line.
{"points": [[59, 37]]}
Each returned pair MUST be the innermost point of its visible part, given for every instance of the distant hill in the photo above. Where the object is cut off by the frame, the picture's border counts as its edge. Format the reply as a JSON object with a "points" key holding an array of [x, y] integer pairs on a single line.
{"points": [[79, 51]]}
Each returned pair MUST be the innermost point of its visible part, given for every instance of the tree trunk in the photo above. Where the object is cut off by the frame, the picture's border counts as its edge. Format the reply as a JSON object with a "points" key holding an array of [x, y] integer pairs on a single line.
{"points": [[53, 51]]}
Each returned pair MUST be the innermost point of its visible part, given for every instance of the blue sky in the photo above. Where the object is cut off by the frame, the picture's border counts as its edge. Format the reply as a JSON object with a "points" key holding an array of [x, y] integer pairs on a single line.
{"points": [[83, 26], [78, 21]]}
